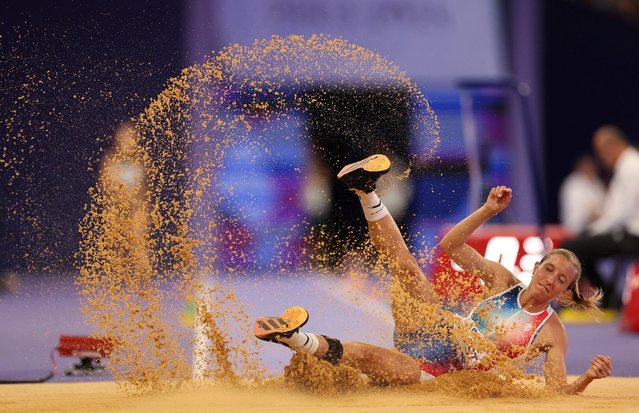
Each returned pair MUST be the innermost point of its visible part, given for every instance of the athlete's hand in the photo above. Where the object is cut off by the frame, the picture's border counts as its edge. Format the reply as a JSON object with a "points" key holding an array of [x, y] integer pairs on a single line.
{"points": [[498, 199], [600, 367]]}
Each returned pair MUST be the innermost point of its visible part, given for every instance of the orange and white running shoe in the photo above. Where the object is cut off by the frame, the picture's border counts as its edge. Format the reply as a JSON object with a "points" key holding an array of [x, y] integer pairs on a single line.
{"points": [[284, 325], [363, 175]]}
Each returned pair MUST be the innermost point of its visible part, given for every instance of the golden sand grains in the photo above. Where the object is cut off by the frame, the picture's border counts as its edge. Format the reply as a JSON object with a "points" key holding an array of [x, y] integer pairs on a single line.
{"points": [[481, 384], [311, 375], [147, 245], [151, 244]]}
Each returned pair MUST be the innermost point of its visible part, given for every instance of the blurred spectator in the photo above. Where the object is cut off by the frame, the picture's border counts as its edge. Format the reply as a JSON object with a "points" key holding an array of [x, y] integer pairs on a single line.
{"points": [[316, 193], [124, 180], [581, 196], [9, 282], [121, 166], [615, 233]]}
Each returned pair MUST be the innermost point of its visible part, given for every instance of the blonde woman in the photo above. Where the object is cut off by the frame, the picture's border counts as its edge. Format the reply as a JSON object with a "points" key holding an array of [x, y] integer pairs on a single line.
{"points": [[516, 320]]}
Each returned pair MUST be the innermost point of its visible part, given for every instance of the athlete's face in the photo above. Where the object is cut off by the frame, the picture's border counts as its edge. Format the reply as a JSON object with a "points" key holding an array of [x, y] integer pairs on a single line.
{"points": [[553, 277]]}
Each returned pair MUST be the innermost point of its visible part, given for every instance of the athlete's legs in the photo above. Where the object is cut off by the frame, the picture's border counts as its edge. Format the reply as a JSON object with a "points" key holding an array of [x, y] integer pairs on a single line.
{"points": [[388, 241], [360, 177], [383, 366]]}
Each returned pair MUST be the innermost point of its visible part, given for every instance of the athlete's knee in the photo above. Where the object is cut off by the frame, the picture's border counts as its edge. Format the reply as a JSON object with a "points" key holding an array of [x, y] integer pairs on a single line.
{"points": [[335, 351], [356, 352]]}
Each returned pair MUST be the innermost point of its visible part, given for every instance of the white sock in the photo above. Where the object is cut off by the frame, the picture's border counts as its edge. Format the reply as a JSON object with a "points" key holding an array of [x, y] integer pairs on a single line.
{"points": [[307, 342], [374, 208]]}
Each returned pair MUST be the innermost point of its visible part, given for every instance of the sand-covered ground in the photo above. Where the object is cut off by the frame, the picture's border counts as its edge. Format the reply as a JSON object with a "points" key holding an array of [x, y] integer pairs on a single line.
{"points": [[610, 395]]}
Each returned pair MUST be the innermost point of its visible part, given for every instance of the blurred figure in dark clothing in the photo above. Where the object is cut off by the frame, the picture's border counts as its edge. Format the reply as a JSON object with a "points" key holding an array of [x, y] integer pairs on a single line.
{"points": [[615, 233]]}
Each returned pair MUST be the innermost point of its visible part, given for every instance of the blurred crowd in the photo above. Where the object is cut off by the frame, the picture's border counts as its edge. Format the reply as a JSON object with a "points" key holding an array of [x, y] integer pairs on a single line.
{"points": [[603, 214]]}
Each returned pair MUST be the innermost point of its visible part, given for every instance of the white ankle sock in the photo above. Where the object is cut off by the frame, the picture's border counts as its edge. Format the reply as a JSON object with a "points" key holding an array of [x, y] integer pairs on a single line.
{"points": [[374, 208], [307, 342]]}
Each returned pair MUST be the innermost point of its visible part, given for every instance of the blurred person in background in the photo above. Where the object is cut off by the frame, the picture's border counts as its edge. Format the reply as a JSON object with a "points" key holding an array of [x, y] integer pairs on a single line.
{"points": [[123, 179], [9, 282], [120, 165], [122, 170], [581, 196], [615, 233]]}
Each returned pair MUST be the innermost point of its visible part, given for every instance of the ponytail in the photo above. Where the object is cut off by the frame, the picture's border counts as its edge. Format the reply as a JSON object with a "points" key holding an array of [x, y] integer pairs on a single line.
{"points": [[574, 298]]}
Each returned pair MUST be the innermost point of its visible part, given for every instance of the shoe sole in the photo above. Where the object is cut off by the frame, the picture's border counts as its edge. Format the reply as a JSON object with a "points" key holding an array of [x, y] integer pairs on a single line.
{"points": [[376, 163], [287, 323]]}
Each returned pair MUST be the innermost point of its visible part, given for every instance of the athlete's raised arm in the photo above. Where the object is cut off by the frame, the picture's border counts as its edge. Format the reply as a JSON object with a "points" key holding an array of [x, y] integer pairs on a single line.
{"points": [[454, 242]]}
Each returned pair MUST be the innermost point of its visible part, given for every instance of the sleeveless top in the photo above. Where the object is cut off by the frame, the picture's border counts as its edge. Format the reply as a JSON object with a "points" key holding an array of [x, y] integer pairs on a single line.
{"points": [[503, 321]]}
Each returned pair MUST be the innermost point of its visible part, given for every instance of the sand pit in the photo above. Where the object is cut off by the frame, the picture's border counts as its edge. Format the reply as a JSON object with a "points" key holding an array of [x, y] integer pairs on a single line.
{"points": [[146, 247], [612, 394]]}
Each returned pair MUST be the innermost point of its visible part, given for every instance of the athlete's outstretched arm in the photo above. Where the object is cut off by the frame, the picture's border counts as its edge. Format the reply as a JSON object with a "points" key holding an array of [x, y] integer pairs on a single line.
{"points": [[554, 344], [555, 371], [454, 242]]}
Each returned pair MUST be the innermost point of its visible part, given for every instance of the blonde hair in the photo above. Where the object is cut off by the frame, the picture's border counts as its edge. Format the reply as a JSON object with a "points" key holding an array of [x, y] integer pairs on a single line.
{"points": [[576, 299]]}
